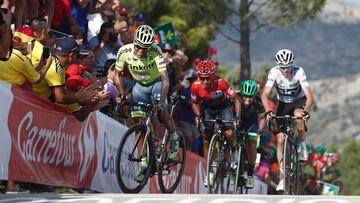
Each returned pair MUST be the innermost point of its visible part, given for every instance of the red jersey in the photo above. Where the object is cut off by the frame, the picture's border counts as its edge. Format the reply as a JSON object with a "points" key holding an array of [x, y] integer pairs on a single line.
{"points": [[215, 96]]}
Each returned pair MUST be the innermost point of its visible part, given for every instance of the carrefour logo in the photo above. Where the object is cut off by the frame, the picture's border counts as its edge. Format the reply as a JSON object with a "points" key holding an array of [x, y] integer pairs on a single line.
{"points": [[109, 156]]}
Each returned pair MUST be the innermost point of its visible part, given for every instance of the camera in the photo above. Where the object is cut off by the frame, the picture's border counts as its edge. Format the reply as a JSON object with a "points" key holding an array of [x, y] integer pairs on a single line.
{"points": [[46, 52], [113, 37]]}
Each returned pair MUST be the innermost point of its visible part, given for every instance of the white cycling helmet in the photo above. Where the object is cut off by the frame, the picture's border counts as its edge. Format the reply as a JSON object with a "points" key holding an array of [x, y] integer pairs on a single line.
{"points": [[144, 36], [284, 57]]}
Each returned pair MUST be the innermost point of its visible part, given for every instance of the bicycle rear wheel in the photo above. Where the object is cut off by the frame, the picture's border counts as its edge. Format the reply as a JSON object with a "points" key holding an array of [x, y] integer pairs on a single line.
{"points": [[128, 159], [171, 170], [216, 165]]}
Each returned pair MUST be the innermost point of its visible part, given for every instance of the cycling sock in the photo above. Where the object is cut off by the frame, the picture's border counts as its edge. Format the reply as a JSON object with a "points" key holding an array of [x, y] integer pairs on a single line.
{"points": [[174, 135], [250, 170], [144, 162]]}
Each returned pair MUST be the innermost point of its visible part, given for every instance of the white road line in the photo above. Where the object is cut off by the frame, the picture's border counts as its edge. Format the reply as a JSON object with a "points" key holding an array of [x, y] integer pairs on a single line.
{"points": [[324, 200], [237, 200], [146, 199]]}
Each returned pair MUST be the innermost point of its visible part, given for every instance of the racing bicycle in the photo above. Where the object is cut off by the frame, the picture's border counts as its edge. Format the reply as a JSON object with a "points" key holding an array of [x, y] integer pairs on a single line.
{"points": [[292, 166], [131, 151]]}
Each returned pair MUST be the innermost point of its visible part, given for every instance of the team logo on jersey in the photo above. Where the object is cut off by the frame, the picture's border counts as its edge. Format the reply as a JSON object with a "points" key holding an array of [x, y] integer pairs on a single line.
{"points": [[125, 51], [140, 67]]}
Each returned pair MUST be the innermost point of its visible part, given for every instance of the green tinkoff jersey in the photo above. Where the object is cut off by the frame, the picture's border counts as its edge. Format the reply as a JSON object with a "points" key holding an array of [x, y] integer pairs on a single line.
{"points": [[144, 70]]}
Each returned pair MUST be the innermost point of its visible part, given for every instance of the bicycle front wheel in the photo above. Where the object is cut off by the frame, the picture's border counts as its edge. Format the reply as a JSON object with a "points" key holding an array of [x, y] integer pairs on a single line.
{"points": [[172, 169], [290, 168], [216, 167], [132, 149]]}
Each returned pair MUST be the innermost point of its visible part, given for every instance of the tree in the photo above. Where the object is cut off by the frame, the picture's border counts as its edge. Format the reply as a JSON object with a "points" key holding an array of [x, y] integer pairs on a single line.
{"points": [[195, 20], [254, 15], [349, 163]]}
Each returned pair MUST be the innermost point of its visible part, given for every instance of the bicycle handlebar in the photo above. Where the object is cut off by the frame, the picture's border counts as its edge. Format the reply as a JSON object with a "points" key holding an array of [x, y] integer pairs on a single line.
{"points": [[288, 117]]}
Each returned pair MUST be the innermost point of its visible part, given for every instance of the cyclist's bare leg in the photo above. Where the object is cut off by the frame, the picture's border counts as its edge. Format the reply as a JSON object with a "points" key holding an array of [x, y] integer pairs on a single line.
{"points": [[279, 143], [251, 151], [300, 125], [168, 121], [229, 134]]}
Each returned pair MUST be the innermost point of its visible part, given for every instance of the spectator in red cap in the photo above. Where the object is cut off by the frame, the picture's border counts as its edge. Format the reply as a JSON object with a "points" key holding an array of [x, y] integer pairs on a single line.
{"points": [[121, 14], [18, 69], [121, 25], [76, 73]]}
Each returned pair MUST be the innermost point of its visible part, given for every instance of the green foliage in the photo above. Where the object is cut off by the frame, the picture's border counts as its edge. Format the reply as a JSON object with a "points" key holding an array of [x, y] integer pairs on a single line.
{"points": [[195, 21], [285, 12], [331, 148], [349, 163]]}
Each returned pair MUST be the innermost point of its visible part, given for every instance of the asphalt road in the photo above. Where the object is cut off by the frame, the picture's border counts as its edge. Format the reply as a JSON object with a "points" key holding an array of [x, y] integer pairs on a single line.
{"points": [[175, 198]]}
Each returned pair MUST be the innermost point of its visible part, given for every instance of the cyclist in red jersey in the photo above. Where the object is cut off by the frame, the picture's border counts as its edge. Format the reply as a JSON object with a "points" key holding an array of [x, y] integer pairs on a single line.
{"points": [[211, 96]]}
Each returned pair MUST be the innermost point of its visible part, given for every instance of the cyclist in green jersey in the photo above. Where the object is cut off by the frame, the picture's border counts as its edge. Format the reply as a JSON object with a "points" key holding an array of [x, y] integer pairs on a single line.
{"points": [[147, 66]]}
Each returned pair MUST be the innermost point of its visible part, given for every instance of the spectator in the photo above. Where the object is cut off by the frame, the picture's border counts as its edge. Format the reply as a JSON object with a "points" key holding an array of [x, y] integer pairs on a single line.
{"points": [[40, 28], [52, 87], [105, 46], [76, 76], [102, 11], [63, 19], [80, 10], [18, 69], [121, 26], [75, 81], [139, 19], [109, 72], [47, 8], [5, 33], [185, 117]]}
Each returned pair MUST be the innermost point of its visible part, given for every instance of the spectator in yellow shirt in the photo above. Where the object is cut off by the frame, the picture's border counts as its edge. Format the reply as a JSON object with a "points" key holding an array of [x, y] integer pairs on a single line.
{"points": [[52, 87], [41, 29], [19, 69]]}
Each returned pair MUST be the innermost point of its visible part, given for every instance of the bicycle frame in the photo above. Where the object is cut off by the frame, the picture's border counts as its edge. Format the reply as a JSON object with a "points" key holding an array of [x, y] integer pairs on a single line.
{"points": [[219, 128]]}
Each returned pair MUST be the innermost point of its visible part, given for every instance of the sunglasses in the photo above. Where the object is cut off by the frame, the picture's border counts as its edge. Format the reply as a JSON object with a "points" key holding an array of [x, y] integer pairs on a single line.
{"points": [[284, 67], [142, 48], [247, 97], [204, 78]]}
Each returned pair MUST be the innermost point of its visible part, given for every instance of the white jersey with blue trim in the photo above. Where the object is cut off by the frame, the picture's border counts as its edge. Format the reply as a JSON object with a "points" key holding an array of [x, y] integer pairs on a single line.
{"points": [[288, 88]]}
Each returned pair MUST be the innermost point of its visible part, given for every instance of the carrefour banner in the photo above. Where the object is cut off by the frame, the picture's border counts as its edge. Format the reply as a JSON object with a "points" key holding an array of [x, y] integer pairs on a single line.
{"points": [[5, 103], [42, 143]]}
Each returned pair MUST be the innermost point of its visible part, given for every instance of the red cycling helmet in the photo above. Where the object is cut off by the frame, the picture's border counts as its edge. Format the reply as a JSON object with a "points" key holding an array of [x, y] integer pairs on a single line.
{"points": [[205, 68]]}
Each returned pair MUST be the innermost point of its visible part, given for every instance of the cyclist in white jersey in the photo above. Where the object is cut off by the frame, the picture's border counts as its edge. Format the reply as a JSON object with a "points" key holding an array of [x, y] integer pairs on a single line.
{"points": [[294, 98], [148, 68]]}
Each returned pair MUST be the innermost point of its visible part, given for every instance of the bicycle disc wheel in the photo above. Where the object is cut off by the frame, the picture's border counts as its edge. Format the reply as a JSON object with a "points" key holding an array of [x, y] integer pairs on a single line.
{"points": [[128, 159], [214, 166], [171, 170]]}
